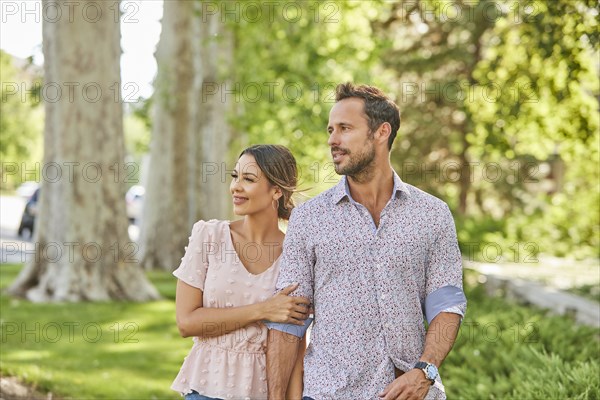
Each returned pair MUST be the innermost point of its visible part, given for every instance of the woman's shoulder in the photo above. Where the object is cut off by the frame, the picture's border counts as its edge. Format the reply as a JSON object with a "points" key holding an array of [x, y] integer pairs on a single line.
{"points": [[211, 226], [213, 222]]}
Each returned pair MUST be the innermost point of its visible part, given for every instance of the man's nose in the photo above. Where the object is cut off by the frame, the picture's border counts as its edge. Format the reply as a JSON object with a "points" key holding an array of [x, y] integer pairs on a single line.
{"points": [[333, 138]]}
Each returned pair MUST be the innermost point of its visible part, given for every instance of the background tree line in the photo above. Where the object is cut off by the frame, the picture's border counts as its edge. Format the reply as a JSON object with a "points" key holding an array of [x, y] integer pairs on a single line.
{"points": [[499, 104]]}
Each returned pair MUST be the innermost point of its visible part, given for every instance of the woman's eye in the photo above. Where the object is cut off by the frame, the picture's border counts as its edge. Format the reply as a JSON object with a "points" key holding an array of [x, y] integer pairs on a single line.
{"points": [[234, 176], [249, 179]]}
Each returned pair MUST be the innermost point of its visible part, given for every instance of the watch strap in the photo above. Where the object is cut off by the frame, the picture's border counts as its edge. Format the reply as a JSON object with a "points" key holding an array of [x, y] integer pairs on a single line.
{"points": [[423, 366]]}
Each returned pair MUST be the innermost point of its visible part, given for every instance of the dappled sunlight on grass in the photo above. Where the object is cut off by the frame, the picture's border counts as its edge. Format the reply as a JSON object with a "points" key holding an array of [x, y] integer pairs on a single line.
{"points": [[26, 355], [98, 350]]}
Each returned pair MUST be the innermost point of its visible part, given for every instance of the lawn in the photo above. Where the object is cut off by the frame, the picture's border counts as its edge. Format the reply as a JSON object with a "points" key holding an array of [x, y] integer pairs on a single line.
{"points": [[101, 350], [133, 351]]}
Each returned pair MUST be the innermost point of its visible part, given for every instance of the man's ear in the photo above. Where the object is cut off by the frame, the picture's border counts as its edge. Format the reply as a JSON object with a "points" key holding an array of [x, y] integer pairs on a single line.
{"points": [[384, 131]]}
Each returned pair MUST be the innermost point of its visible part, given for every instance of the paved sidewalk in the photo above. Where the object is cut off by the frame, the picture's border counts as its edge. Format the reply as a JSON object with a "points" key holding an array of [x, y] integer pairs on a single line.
{"points": [[543, 285], [555, 272]]}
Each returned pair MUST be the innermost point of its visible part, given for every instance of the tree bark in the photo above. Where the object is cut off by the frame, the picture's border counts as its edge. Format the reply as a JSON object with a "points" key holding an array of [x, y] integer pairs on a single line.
{"points": [[165, 222], [83, 251], [213, 107], [189, 153]]}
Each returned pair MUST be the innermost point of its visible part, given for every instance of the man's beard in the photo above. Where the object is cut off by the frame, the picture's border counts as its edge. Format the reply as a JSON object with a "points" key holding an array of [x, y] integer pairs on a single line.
{"points": [[358, 164]]}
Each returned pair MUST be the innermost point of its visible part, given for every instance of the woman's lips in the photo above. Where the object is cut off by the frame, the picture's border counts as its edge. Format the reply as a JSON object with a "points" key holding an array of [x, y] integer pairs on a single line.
{"points": [[237, 200]]}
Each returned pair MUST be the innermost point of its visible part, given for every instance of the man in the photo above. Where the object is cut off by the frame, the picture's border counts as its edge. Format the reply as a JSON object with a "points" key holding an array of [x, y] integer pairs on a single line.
{"points": [[375, 256]]}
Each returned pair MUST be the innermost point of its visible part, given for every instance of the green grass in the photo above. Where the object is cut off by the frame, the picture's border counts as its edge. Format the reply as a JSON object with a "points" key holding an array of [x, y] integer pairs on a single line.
{"points": [[101, 350], [504, 351]]}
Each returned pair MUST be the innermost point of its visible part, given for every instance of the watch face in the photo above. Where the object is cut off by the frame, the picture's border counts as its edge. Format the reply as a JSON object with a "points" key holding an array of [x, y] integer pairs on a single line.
{"points": [[432, 372]]}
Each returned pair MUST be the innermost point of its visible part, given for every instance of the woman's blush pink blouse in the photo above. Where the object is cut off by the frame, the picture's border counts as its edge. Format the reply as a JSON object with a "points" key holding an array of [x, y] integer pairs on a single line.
{"points": [[230, 366]]}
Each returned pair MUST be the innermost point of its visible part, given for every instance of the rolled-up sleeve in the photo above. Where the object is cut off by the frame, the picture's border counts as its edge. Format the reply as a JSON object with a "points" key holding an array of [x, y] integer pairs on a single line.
{"points": [[297, 265], [443, 284]]}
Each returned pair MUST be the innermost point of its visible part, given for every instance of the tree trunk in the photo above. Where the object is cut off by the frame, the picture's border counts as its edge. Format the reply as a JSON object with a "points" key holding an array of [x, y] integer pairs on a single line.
{"points": [[83, 251], [212, 107], [165, 223], [191, 134]]}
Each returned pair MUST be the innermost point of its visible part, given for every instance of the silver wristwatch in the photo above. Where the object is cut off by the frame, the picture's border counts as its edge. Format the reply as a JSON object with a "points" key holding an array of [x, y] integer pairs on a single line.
{"points": [[430, 370]]}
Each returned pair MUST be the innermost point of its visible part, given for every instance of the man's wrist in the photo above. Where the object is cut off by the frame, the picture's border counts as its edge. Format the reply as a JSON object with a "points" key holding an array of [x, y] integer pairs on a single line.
{"points": [[429, 370], [424, 376]]}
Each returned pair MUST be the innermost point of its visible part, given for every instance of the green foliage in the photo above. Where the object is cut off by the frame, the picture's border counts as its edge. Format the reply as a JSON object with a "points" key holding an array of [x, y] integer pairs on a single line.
{"points": [[137, 126], [506, 351], [544, 64], [286, 77], [21, 120], [500, 105], [137, 135], [547, 110]]}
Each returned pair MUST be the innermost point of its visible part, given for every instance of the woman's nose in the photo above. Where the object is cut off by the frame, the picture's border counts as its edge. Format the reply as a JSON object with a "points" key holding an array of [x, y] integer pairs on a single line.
{"points": [[235, 185]]}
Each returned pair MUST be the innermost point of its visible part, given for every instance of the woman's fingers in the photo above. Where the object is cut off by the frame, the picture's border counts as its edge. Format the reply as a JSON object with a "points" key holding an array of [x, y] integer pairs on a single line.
{"points": [[289, 289], [297, 299], [302, 310], [294, 321], [301, 300], [299, 316]]}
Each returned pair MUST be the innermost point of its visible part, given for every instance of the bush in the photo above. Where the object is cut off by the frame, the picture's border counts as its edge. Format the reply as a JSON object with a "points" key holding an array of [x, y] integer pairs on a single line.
{"points": [[508, 351]]}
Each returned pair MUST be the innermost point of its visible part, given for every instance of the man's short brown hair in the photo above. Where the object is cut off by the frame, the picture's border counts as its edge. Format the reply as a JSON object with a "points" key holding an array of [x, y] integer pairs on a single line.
{"points": [[379, 108]]}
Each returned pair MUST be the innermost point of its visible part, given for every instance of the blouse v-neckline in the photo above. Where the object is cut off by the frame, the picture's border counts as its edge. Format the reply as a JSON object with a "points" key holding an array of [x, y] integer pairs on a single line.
{"points": [[239, 259]]}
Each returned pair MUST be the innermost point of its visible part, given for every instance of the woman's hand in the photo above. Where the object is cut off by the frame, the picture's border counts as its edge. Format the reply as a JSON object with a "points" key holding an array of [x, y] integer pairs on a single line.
{"points": [[286, 309]]}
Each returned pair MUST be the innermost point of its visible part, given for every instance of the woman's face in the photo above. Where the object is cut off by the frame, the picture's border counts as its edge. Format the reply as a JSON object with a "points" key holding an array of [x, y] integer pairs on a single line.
{"points": [[251, 191]]}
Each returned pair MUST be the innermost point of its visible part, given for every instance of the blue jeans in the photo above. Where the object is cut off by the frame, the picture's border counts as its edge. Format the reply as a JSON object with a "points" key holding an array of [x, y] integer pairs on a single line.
{"points": [[307, 398], [197, 396]]}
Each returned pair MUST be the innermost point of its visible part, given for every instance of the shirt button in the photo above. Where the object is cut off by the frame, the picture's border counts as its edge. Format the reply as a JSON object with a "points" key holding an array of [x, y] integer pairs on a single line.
{"points": [[383, 297]]}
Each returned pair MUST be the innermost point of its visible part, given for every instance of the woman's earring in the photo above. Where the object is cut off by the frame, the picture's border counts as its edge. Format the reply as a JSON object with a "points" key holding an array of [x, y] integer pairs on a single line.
{"points": [[275, 204]]}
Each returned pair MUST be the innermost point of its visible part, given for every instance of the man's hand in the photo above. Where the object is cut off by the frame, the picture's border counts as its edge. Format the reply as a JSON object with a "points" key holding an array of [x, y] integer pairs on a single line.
{"points": [[412, 385]]}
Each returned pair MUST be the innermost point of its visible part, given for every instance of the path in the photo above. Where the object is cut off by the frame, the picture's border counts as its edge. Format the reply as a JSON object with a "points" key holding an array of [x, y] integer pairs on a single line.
{"points": [[543, 285]]}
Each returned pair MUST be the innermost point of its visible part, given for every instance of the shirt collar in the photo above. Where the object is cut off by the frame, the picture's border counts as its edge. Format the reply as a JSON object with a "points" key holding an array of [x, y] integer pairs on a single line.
{"points": [[342, 189]]}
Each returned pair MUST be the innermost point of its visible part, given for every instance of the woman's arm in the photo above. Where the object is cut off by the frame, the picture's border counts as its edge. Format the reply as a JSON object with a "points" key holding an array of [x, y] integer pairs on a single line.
{"points": [[195, 320], [296, 384]]}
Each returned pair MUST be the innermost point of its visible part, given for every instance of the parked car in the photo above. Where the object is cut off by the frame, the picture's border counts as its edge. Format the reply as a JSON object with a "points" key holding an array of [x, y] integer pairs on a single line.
{"points": [[29, 213], [26, 189], [134, 199]]}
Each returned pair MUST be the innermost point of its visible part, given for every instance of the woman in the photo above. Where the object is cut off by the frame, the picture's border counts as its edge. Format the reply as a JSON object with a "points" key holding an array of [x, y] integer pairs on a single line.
{"points": [[226, 283]]}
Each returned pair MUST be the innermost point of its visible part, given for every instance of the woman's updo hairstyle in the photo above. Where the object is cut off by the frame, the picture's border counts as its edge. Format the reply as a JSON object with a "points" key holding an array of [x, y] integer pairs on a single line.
{"points": [[279, 166]]}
